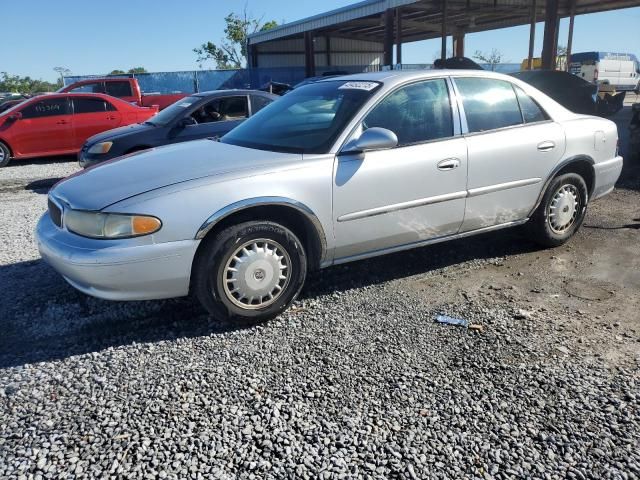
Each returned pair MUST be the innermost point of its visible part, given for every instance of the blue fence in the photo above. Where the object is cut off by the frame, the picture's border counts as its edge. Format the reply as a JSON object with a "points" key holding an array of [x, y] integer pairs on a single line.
{"points": [[205, 80]]}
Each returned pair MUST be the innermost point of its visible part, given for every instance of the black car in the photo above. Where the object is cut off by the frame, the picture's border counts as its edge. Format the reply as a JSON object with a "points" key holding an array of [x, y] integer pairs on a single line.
{"points": [[572, 92], [201, 115]]}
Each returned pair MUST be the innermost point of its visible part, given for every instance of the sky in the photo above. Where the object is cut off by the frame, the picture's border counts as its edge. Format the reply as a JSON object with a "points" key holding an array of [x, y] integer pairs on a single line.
{"points": [[95, 37]]}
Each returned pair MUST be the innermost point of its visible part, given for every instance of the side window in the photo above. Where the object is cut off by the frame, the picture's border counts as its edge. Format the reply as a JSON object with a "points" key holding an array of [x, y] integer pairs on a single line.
{"points": [[91, 105], [488, 103], [118, 89], [46, 108], [415, 113], [233, 108], [208, 113], [258, 102], [89, 88], [531, 111]]}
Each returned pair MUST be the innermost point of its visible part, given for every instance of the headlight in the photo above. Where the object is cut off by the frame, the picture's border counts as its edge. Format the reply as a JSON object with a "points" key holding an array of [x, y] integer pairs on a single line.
{"points": [[101, 148], [110, 225]]}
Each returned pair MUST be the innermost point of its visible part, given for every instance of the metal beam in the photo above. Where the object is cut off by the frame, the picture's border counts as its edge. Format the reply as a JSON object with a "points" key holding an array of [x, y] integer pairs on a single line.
{"points": [[572, 15], [388, 37], [443, 47], [309, 55], [550, 41], [532, 34], [399, 35]]}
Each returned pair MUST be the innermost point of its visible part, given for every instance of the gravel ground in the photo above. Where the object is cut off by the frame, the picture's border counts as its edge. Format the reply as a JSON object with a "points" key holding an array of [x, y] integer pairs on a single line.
{"points": [[356, 381]]}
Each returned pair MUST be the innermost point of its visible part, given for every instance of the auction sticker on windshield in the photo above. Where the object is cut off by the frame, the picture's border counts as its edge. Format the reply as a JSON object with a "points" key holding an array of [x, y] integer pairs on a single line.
{"points": [[368, 86]]}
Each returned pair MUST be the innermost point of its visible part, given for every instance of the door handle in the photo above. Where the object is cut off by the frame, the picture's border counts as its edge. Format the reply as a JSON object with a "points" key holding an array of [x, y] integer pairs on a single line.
{"points": [[61, 122], [449, 164], [111, 118], [546, 146]]}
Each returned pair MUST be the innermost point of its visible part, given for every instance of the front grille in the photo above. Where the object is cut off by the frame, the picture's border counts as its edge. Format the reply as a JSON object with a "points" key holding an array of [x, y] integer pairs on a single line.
{"points": [[55, 213]]}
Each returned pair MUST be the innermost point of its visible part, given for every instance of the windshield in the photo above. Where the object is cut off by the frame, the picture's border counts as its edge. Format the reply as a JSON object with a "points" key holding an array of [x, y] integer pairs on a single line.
{"points": [[167, 115], [306, 120]]}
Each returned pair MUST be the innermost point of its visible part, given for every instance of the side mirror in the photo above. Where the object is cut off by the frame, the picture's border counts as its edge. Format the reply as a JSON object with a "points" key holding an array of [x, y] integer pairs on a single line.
{"points": [[186, 121], [15, 116], [374, 138]]}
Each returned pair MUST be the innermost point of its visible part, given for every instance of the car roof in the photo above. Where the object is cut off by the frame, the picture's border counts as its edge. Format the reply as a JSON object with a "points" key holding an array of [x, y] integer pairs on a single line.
{"points": [[230, 91], [400, 76]]}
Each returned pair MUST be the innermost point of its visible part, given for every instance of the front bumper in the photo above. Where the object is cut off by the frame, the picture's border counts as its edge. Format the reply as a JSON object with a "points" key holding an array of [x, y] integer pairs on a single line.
{"points": [[118, 269], [607, 174]]}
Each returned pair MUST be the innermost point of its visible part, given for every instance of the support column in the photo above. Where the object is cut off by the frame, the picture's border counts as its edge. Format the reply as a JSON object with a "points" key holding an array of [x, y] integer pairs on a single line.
{"points": [[458, 44], [443, 48], [550, 41], [532, 34], [327, 42], [388, 37], [572, 16], [309, 55], [399, 35]]}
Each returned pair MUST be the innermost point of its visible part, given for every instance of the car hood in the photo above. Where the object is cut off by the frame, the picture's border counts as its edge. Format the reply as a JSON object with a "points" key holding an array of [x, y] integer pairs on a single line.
{"points": [[119, 132], [137, 173]]}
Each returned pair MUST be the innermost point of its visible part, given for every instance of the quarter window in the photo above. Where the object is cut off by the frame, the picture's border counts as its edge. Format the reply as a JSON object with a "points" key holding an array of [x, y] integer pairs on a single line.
{"points": [[488, 103], [91, 105], [531, 111], [118, 89], [46, 108], [415, 113]]}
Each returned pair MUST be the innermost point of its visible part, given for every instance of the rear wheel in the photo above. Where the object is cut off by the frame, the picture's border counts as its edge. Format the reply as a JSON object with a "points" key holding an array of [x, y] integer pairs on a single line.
{"points": [[251, 271], [5, 155], [561, 211]]}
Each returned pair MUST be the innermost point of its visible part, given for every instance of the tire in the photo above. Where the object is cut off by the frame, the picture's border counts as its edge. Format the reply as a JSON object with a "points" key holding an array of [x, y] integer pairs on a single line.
{"points": [[561, 211], [223, 285], [5, 155]]}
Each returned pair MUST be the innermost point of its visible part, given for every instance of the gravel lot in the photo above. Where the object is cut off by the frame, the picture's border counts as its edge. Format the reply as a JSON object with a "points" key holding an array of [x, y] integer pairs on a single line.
{"points": [[356, 381]]}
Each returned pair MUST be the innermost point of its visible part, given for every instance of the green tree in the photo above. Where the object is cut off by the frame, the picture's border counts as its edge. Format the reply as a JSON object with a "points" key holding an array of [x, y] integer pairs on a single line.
{"points": [[137, 70], [18, 84], [492, 59], [231, 52], [117, 72]]}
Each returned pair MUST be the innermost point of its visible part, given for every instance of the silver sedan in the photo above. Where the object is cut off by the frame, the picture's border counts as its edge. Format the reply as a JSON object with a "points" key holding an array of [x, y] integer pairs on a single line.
{"points": [[335, 171]]}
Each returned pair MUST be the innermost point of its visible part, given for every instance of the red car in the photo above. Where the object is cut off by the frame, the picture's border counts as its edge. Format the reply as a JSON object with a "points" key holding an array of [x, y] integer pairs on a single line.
{"points": [[59, 124]]}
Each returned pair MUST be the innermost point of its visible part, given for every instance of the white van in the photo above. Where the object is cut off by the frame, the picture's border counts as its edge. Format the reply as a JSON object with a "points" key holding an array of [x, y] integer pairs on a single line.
{"points": [[620, 70]]}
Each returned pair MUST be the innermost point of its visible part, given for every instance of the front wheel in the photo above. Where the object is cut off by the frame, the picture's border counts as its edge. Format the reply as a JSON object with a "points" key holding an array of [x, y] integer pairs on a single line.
{"points": [[252, 271], [561, 211], [5, 155]]}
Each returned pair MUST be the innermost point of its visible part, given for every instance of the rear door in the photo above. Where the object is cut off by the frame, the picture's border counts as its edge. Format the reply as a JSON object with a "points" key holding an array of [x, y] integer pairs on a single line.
{"points": [[92, 115], [513, 146], [215, 118], [45, 128]]}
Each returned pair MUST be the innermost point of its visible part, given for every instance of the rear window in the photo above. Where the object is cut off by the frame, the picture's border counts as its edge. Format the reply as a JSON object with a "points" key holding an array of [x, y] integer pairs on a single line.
{"points": [[97, 87], [488, 104], [118, 89]]}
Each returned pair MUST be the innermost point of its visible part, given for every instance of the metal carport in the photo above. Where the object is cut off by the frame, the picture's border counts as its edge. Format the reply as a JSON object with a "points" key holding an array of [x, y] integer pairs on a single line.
{"points": [[368, 30]]}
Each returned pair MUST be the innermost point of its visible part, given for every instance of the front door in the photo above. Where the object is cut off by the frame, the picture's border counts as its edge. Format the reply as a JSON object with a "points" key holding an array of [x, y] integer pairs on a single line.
{"points": [[513, 147], [92, 115], [45, 128], [408, 194]]}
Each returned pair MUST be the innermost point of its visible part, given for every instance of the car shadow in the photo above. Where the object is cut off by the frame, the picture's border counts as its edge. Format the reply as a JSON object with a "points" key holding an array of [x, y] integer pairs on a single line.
{"points": [[44, 319]]}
